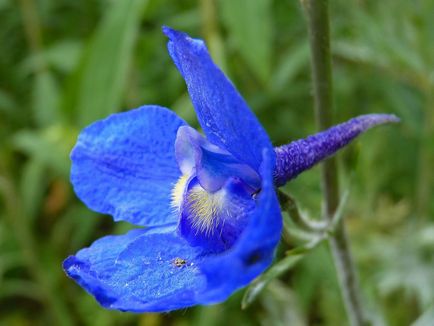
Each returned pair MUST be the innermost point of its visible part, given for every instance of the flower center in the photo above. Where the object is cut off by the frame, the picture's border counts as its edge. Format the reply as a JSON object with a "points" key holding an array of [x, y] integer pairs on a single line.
{"points": [[203, 207], [212, 219], [214, 194], [178, 192]]}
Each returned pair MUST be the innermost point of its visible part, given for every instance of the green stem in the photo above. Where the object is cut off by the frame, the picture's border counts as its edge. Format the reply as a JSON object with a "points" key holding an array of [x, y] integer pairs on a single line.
{"points": [[426, 157], [317, 12], [288, 204]]}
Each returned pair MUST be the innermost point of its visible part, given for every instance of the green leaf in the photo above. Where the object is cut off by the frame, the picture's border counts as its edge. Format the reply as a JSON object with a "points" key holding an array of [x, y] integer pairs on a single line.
{"points": [[281, 305], [10, 260], [23, 288], [45, 99], [294, 61], [7, 103], [33, 180], [262, 281], [250, 26], [50, 146], [78, 221], [98, 88], [426, 319], [315, 241], [64, 55]]}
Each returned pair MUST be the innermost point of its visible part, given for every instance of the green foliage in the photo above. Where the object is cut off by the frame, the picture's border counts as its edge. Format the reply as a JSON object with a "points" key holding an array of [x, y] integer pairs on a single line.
{"points": [[100, 82], [262, 281], [67, 63], [249, 25]]}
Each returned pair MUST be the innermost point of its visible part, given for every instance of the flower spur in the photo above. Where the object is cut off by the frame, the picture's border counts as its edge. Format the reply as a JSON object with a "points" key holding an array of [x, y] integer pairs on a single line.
{"points": [[209, 204]]}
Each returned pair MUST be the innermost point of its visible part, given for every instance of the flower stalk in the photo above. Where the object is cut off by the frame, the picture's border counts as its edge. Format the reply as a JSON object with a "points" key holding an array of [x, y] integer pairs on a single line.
{"points": [[317, 13]]}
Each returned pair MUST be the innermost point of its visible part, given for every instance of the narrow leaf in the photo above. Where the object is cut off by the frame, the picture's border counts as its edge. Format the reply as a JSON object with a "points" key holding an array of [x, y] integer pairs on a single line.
{"points": [[294, 61], [250, 25], [45, 99], [262, 281], [426, 319], [33, 180], [98, 88], [51, 147]]}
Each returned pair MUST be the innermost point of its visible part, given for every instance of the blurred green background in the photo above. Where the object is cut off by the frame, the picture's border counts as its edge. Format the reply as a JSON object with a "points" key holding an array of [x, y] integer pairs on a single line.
{"points": [[66, 63]]}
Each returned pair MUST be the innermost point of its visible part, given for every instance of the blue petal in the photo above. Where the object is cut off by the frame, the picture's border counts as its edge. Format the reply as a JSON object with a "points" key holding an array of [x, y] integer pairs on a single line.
{"points": [[125, 165], [212, 165], [223, 114], [140, 271], [254, 250], [157, 270]]}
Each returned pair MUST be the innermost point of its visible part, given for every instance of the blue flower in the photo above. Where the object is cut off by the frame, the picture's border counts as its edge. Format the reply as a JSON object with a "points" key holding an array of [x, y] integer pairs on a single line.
{"points": [[208, 203]]}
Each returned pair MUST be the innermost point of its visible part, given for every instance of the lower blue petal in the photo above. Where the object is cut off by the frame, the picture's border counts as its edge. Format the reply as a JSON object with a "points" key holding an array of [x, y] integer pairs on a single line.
{"points": [[140, 271], [125, 165], [223, 114]]}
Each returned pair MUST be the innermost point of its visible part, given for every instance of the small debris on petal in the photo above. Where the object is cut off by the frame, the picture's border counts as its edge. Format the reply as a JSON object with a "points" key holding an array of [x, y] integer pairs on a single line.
{"points": [[179, 262]]}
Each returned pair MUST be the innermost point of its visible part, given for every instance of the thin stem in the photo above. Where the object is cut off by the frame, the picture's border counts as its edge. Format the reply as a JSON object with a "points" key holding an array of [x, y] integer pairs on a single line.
{"points": [[426, 156], [317, 13], [288, 204]]}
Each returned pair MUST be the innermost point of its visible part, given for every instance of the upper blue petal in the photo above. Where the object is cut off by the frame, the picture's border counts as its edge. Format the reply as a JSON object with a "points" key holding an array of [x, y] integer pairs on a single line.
{"points": [[212, 165], [158, 270], [223, 114], [125, 165]]}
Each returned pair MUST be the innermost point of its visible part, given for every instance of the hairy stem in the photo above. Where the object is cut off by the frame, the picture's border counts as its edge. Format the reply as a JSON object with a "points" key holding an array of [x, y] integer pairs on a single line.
{"points": [[289, 205], [317, 13]]}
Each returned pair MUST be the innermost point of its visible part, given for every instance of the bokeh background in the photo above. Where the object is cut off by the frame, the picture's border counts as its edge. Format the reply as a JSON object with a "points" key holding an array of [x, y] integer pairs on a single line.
{"points": [[66, 63]]}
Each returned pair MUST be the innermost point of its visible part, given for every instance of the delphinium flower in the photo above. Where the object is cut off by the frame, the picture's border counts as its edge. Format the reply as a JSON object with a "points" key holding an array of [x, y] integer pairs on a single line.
{"points": [[207, 203]]}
